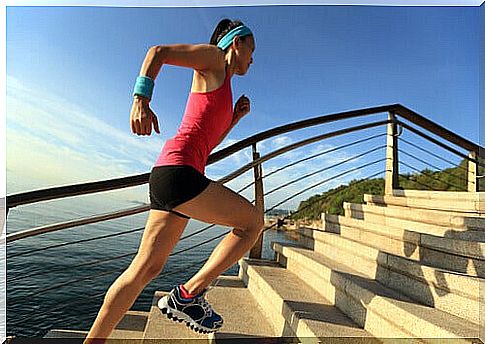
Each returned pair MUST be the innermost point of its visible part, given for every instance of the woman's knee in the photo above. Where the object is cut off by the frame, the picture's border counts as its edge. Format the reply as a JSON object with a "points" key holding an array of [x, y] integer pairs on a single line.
{"points": [[146, 269], [153, 271], [257, 224]]}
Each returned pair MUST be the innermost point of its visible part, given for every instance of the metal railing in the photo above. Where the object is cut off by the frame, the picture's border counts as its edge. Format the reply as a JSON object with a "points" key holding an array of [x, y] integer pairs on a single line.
{"points": [[398, 118]]}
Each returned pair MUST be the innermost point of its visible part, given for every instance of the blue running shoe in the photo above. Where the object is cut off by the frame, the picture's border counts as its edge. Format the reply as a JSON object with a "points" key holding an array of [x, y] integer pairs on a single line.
{"points": [[196, 312]]}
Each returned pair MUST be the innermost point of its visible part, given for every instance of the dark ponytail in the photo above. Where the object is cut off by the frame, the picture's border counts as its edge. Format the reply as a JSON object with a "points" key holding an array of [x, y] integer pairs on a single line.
{"points": [[224, 26]]}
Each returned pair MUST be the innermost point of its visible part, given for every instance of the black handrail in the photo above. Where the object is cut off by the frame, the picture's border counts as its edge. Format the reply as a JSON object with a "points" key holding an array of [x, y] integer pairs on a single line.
{"points": [[31, 232], [435, 128], [298, 125], [112, 184], [75, 190], [106, 185], [118, 183]]}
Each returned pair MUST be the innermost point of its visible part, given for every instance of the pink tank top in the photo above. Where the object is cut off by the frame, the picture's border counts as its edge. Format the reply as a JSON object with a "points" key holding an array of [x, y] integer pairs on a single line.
{"points": [[207, 116]]}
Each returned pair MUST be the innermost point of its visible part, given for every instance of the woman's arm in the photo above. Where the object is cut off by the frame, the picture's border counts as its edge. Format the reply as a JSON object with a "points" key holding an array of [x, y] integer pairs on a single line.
{"points": [[241, 109], [202, 57], [198, 56]]}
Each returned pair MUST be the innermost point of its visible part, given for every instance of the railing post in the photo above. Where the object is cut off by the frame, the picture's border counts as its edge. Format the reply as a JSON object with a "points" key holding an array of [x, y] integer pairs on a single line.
{"points": [[259, 197], [392, 162], [472, 172]]}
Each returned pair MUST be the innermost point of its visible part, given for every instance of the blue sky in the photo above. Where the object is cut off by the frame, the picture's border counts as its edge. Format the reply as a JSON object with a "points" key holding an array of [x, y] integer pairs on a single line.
{"points": [[71, 70]]}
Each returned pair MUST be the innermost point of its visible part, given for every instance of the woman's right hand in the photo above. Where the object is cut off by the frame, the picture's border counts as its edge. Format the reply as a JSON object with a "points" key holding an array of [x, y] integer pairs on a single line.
{"points": [[142, 117]]}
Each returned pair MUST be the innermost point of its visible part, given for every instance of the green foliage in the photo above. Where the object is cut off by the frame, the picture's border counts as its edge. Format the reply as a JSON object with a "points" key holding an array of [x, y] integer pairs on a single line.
{"points": [[331, 201], [450, 179]]}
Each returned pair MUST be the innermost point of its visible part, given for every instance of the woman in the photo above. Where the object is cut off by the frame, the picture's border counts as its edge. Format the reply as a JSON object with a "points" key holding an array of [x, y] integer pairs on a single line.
{"points": [[179, 189]]}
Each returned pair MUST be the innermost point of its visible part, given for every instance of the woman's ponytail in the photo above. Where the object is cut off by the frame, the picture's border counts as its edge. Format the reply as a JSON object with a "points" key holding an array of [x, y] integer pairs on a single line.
{"points": [[224, 26]]}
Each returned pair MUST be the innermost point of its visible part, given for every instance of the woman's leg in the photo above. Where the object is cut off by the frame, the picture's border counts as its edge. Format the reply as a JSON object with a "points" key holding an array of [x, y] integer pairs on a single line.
{"points": [[162, 232], [220, 205]]}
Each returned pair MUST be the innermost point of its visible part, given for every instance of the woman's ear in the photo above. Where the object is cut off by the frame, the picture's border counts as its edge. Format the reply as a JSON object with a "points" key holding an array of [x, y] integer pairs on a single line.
{"points": [[236, 42]]}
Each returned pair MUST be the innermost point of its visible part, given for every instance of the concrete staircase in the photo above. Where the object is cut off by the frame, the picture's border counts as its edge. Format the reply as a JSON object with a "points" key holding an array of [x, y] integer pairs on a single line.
{"points": [[401, 265], [408, 266]]}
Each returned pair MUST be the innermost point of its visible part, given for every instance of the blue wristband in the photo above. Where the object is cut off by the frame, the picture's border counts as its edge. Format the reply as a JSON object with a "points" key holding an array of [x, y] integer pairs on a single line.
{"points": [[144, 87]]}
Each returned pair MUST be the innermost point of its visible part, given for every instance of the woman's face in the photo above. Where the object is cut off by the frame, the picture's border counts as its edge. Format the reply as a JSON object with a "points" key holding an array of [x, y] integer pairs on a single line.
{"points": [[245, 49]]}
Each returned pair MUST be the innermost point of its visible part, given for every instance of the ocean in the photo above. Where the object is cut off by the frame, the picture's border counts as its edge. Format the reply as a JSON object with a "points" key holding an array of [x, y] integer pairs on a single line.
{"points": [[47, 289]]}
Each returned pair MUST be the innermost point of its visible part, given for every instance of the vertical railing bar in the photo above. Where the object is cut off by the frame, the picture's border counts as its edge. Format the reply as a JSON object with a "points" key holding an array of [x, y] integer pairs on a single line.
{"points": [[472, 172], [256, 250], [392, 162]]}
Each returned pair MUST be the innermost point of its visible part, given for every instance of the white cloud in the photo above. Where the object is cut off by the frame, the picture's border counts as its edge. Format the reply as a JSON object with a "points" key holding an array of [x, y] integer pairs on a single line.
{"points": [[281, 141], [231, 163], [56, 142]]}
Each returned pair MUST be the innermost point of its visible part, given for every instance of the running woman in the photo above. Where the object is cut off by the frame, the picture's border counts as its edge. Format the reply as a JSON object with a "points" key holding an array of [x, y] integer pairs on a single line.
{"points": [[179, 189]]}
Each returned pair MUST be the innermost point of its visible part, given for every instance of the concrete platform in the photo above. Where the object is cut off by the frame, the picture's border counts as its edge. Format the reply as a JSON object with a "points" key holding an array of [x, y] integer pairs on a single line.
{"points": [[243, 318], [130, 330]]}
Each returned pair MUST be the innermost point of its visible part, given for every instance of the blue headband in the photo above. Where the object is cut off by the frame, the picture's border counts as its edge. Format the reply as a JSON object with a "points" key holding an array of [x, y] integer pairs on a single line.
{"points": [[240, 31]]}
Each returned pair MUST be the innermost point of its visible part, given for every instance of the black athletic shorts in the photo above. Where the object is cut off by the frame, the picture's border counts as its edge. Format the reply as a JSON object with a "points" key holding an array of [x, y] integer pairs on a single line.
{"points": [[173, 185]]}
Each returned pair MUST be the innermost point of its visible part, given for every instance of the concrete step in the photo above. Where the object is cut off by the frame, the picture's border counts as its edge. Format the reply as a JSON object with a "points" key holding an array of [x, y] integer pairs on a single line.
{"points": [[129, 330], [427, 205], [408, 243], [472, 206], [441, 195], [294, 307], [419, 221], [381, 311], [434, 252], [243, 319], [435, 217], [453, 293]]}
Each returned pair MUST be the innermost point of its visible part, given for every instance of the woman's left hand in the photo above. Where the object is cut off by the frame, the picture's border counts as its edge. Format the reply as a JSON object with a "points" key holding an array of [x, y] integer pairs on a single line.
{"points": [[241, 108]]}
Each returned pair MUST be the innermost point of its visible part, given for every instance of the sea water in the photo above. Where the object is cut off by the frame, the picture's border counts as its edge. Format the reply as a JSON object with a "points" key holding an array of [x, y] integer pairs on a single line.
{"points": [[48, 289]]}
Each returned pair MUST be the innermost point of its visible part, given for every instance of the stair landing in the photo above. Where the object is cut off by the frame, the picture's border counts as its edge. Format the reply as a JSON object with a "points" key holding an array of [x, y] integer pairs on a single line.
{"points": [[243, 318]]}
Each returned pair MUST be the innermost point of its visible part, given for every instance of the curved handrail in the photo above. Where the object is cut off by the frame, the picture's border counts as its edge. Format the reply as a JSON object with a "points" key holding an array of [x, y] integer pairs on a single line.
{"points": [[50, 228], [435, 128], [117, 183]]}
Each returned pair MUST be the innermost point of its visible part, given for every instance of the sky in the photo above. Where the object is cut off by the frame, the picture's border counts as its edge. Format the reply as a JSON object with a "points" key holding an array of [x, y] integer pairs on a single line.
{"points": [[70, 73]]}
